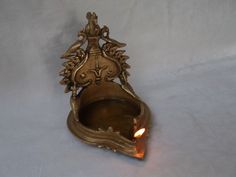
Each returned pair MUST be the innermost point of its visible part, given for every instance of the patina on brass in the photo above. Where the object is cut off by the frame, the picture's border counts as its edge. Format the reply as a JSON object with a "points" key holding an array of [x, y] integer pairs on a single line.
{"points": [[103, 112]]}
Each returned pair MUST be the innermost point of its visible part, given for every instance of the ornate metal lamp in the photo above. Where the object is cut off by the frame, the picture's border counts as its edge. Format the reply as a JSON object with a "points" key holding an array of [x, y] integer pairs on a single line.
{"points": [[103, 113]]}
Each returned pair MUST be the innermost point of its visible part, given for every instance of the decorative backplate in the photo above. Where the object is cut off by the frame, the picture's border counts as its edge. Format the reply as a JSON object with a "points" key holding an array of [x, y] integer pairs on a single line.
{"points": [[94, 64]]}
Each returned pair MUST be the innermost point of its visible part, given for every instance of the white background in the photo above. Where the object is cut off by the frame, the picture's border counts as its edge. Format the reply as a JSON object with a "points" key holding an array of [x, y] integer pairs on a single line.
{"points": [[183, 58]]}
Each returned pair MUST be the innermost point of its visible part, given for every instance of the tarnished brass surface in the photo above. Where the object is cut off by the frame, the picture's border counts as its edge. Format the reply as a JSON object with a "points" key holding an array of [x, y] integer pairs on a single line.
{"points": [[103, 113]]}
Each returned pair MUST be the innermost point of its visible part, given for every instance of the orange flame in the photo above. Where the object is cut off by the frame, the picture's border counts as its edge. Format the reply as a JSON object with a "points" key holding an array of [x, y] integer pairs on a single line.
{"points": [[139, 133]]}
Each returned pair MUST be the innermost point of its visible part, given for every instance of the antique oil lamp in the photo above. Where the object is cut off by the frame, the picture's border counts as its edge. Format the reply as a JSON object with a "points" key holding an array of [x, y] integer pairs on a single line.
{"points": [[103, 112]]}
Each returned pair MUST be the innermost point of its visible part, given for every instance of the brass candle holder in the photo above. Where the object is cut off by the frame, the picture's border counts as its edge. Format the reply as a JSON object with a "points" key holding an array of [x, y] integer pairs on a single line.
{"points": [[103, 113]]}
